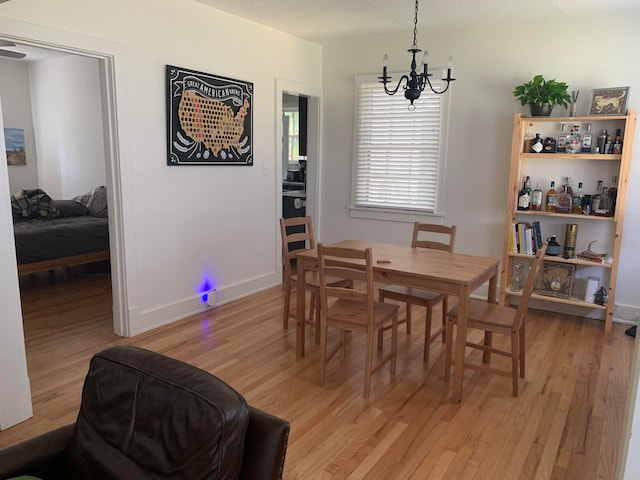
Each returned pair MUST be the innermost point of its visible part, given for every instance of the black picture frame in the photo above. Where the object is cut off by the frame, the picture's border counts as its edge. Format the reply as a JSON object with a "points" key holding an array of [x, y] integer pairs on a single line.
{"points": [[209, 119], [609, 101]]}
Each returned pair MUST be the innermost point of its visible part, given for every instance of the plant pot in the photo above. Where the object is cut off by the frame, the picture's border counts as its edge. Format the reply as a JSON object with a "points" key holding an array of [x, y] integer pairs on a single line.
{"points": [[543, 110]]}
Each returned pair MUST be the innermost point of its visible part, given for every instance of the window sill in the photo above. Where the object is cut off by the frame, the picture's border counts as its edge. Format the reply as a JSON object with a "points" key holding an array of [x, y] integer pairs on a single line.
{"points": [[390, 214]]}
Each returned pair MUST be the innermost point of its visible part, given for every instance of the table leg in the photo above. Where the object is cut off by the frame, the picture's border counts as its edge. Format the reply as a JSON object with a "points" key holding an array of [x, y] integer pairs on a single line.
{"points": [[300, 308], [461, 337]]}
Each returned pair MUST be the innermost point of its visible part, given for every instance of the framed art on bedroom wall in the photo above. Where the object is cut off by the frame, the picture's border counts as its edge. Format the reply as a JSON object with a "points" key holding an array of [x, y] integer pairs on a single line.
{"points": [[209, 119]]}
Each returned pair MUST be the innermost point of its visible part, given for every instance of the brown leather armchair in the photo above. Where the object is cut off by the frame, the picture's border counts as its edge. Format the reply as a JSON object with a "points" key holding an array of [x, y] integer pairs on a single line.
{"points": [[147, 416]]}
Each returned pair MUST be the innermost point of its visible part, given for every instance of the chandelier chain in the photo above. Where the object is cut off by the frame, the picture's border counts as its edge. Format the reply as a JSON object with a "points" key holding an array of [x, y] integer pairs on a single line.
{"points": [[415, 27]]}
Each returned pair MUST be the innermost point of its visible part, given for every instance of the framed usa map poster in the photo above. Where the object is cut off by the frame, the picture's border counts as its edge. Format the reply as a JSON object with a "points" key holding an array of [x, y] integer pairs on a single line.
{"points": [[209, 119]]}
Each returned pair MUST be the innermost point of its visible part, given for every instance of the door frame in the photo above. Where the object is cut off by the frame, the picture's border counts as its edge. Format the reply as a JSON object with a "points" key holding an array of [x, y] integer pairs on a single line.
{"points": [[314, 117]]}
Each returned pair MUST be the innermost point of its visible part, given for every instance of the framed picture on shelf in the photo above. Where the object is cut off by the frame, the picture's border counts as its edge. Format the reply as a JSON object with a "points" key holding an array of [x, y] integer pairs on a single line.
{"points": [[609, 101], [557, 279]]}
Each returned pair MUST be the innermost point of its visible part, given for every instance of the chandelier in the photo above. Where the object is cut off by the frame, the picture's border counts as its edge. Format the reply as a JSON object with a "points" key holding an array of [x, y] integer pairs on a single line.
{"points": [[414, 83]]}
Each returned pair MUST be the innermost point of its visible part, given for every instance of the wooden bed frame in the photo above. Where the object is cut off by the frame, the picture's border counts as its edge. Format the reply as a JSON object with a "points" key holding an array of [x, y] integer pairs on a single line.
{"points": [[34, 267]]}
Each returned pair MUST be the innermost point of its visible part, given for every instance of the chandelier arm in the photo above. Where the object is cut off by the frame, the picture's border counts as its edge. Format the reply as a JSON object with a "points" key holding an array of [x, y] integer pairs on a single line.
{"points": [[394, 91], [445, 88]]}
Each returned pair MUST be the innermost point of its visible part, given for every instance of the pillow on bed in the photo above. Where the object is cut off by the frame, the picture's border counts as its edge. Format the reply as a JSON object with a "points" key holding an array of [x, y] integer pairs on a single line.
{"points": [[33, 203], [70, 208], [95, 201]]}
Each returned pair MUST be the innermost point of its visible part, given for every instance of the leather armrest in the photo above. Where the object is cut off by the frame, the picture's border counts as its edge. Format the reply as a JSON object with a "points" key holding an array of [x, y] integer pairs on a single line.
{"points": [[265, 447], [44, 456]]}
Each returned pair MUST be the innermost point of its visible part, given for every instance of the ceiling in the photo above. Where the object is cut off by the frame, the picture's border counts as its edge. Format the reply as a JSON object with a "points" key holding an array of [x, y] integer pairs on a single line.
{"points": [[325, 21]]}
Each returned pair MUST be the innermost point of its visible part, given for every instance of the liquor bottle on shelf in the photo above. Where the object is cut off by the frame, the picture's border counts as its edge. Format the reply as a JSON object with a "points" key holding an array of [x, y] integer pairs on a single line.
{"points": [[567, 183], [524, 196], [612, 193], [552, 198], [570, 240], [617, 143], [528, 138], [600, 202], [561, 143], [536, 198], [564, 199], [578, 197], [602, 141], [549, 145], [608, 148], [553, 247], [573, 141], [587, 140], [536, 144]]}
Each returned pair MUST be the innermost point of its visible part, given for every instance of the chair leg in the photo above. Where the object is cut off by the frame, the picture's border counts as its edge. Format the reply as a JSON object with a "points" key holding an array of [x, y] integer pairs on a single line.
{"points": [[368, 365], [488, 339], [445, 309], [287, 306], [343, 340], [515, 356], [394, 344], [448, 350], [427, 335], [381, 298], [521, 336], [315, 314], [323, 351], [408, 319]]}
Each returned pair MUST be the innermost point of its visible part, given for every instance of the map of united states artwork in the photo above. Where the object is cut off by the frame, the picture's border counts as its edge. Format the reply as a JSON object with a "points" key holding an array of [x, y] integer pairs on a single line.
{"points": [[209, 119]]}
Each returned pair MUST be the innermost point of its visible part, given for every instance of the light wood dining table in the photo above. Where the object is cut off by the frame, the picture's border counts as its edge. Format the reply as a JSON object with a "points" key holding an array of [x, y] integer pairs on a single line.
{"points": [[453, 273]]}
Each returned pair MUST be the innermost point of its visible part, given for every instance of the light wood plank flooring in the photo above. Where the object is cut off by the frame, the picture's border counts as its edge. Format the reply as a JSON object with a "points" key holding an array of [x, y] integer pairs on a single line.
{"points": [[566, 424]]}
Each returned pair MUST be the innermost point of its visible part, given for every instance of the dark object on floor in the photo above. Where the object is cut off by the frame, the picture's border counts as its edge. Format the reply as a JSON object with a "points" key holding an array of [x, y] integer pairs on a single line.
{"points": [[631, 331], [144, 415]]}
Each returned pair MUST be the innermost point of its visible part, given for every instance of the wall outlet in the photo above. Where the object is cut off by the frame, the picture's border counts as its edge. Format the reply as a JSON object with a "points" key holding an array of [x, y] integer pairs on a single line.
{"points": [[212, 297]]}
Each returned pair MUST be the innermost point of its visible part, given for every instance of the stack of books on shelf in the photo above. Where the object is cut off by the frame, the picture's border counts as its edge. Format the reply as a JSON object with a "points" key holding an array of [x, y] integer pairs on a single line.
{"points": [[594, 258], [525, 238]]}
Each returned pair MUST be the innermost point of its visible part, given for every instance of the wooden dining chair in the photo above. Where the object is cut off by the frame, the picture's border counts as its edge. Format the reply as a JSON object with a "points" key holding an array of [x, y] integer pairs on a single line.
{"points": [[493, 318], [353, 310], [446, 237], [297, 234]]}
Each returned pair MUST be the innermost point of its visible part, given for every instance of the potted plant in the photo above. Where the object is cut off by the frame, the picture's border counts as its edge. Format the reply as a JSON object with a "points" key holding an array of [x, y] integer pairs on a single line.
{"points": [[542, 95]]}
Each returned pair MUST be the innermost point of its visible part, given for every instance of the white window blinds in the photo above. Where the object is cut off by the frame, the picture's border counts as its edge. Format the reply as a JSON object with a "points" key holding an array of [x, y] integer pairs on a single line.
{"points": [[397, 153]]}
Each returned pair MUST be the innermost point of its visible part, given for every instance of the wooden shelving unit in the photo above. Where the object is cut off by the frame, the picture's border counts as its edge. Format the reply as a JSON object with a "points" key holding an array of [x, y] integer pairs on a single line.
{"points": [[585, 167]]}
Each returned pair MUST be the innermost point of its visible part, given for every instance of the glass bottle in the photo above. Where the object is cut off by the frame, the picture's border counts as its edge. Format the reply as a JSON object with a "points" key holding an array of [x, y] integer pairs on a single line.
{"points": [[516, 278], [563, 202], [600, 205], [552, 198], [549, 145], [578, 196], [524, 196], [528, 138], [561, 143], [536, 145], [536, 198], [587, 140], [612, 193], [573, 142], [617, 143]]}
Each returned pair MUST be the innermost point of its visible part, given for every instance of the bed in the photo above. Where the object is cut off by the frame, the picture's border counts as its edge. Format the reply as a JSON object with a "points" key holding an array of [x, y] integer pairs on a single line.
{"points": [[53, 234]]}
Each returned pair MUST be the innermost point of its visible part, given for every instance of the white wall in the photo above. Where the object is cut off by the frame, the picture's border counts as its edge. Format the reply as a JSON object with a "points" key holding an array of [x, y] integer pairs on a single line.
{"points": [[67, 117], [586, 52], [180, 223], [16, 110]]}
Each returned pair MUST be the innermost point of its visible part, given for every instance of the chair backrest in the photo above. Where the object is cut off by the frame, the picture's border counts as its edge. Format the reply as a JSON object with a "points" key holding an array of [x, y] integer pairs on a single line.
{"points": [[529, 284], [297, 234], [348, 264], [449, 232]]}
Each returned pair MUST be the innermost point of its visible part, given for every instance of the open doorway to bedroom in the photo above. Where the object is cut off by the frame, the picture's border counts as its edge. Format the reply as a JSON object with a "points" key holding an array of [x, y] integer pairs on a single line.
{"points": [[61, 103]]}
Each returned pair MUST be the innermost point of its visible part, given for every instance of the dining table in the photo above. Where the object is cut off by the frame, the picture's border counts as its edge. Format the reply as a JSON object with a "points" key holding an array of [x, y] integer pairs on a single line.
{"points": [[452, 273]]}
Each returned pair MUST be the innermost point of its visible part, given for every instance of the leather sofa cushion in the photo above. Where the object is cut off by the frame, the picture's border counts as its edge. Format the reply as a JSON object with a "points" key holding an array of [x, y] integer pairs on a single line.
{"points": [[146, 416]]}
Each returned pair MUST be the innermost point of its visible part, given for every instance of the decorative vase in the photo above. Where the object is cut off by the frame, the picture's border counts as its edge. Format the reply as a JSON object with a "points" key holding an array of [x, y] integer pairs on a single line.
{"points": [[543, 110]]}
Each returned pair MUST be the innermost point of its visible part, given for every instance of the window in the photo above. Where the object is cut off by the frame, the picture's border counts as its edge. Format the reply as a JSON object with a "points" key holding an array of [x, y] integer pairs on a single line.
{"points": [[398, 154], [293, 135]]}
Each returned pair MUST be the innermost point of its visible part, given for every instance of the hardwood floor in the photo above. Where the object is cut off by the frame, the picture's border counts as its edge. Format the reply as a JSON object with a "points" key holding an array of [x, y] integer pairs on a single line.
{"points": [[566, 423]]}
